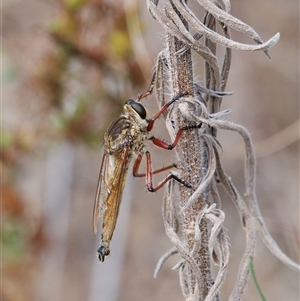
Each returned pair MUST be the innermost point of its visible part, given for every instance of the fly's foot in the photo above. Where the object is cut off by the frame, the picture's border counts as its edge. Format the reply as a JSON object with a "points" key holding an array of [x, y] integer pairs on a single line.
{"points": [[103, 251], [181, 181]]}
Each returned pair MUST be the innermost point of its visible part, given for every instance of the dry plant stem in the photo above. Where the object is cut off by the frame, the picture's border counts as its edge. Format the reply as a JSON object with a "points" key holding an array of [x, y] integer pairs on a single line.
{"points": [[191, 267], [182, 81]]}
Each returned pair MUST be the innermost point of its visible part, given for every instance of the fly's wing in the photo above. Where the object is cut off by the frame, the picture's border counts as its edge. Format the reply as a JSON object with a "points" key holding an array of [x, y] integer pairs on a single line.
{"points": [[101, 192], [114, 197], [111, 182]]}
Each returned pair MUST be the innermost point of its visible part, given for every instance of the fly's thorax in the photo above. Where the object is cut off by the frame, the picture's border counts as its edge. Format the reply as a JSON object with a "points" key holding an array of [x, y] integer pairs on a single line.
{"points": [[139, 137], [129, 130], [115, 138], [125, 132]]}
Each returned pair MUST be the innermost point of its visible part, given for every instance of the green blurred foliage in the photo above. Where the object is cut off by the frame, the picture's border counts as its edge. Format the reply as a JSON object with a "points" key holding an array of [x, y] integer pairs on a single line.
{"points": [[74, 5], [119, 45], [13, 241]]}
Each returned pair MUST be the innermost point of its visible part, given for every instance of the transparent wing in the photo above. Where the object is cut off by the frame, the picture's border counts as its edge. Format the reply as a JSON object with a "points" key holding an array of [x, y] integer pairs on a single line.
{"points": [[101, 191], [110, 186]]}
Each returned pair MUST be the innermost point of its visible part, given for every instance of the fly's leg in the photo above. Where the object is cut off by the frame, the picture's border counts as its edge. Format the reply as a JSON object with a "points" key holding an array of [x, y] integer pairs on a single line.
{"points": [[163, 182], [163, 109], [149, 176], [137, 163], [150, 89], [157, 77], [165, 145], [104, 250], [149, 173]]}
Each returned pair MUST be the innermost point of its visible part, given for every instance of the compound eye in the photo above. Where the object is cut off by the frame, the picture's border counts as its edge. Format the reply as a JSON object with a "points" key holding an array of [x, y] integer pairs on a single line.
{"points": [[129, 101], [137, 107]]}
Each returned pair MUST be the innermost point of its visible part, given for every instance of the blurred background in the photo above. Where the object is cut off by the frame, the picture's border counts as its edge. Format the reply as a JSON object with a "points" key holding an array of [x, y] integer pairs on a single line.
{"points": [[67, 68]]}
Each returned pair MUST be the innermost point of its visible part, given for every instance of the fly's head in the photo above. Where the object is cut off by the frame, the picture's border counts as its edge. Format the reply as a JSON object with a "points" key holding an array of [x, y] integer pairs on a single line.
{"points": [[136, 112]]}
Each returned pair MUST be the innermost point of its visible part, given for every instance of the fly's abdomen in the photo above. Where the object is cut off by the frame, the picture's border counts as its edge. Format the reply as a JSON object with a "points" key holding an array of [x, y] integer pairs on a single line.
{"points": [[110, 218]]}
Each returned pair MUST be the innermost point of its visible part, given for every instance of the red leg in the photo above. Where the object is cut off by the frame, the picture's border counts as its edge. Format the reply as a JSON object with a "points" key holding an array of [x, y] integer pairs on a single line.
{"points": [[150, 89], [149, 178], [149, 174], [168, 178], [162, 110], [136, 166], [163, 144]]}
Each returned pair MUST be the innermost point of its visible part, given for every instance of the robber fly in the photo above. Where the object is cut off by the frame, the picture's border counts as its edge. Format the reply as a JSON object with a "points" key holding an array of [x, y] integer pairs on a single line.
{"points": [[124, 140]]}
